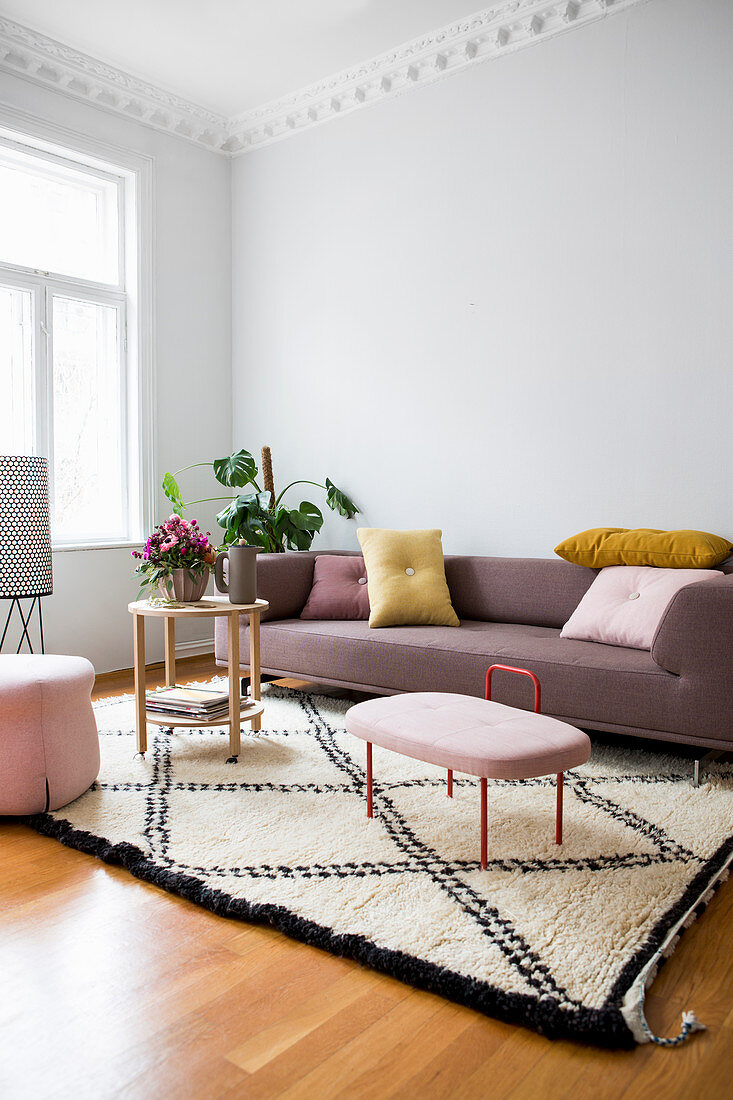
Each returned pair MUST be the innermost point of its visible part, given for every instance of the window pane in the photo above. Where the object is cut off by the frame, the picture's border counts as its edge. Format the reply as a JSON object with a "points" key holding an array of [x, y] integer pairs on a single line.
{"points": [[16, 371], [57, 219], [88, 478]]}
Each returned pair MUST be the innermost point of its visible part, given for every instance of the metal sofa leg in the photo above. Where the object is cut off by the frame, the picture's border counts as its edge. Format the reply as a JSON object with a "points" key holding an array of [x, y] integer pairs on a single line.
{"points": [[264, 679], [706, 758]]}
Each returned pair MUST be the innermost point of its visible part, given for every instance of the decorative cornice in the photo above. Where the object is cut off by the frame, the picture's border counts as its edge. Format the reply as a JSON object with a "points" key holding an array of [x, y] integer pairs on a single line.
{"points": [[490, 33], [44, 60]]}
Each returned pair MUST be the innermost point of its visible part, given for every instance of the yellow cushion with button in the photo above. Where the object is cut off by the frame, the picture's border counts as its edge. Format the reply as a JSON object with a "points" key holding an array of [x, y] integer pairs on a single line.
{"points": [[406, 573]]}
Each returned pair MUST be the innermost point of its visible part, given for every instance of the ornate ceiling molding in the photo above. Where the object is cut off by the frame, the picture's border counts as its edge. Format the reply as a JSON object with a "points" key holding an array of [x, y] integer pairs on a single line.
{"points": [[492, 32], [44, 60]]}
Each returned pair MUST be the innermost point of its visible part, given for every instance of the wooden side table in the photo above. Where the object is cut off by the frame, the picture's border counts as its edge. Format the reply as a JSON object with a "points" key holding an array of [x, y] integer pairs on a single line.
{"points": [[212, 607]]}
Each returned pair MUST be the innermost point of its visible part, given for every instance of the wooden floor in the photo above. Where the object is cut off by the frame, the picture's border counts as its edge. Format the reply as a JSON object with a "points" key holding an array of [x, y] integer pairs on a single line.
{"points": [[110, 987]]}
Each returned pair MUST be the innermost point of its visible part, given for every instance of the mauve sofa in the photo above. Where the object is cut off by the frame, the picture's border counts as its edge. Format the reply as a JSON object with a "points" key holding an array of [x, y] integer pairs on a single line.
{"points": [[511, 612]]}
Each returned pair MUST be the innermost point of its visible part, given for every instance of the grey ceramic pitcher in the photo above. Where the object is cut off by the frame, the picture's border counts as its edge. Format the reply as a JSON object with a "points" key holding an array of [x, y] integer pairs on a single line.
{"points": [[241, 583]]}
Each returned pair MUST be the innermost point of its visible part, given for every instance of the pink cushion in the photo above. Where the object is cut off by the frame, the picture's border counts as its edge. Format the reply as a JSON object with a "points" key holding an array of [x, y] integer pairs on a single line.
{"points": [[339, 589], [470, 735], [48, 733], [625, 603]]}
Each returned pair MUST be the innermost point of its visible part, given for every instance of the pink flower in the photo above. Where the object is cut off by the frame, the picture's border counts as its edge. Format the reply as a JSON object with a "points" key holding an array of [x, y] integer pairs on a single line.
{"points": [[174, 518], [169, 542]]}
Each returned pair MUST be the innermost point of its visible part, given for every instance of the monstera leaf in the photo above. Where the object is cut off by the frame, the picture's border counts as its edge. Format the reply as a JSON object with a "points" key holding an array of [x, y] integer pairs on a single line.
{"points": [[171, 490], [339, 502], [247, 517], [236, 470], [307, 518], [296, 527]]}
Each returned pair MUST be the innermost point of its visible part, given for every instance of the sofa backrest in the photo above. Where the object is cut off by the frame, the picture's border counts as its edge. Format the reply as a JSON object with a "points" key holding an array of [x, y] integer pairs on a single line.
{"points": [[530, 591], [527, 591]]}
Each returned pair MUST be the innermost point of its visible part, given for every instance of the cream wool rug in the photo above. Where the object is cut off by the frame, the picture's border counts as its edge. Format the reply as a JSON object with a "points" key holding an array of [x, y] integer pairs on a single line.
{"points": [[560, 939]]}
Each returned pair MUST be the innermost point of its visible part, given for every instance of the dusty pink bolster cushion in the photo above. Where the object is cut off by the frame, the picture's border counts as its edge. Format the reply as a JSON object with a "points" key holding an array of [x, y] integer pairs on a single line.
{"points": [[340, 589], [625, 604]]}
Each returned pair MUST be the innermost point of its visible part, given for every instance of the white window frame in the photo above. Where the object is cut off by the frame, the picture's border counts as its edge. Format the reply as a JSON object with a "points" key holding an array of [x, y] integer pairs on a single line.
{"points": [[132, 296]]}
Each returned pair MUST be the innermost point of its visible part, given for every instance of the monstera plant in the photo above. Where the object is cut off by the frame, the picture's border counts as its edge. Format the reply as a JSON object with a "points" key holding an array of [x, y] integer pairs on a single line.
{"points": [[259, 516]]}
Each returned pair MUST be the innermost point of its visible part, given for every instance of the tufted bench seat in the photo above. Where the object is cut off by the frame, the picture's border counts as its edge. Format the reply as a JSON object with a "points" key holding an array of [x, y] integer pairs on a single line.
{"points": [[475, 736]]}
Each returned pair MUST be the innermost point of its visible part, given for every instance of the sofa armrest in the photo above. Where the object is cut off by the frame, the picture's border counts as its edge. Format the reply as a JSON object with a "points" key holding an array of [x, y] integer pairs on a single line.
{"points": [[285, 581], [695, 635]]}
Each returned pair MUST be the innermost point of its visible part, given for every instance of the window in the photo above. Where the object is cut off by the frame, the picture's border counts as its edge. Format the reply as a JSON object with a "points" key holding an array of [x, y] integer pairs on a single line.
{"points": [[69, 377]]}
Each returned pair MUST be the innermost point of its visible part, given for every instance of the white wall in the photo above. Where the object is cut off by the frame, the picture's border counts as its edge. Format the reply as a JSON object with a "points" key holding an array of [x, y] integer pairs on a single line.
{"points": [[87, 613], [501, 305]]}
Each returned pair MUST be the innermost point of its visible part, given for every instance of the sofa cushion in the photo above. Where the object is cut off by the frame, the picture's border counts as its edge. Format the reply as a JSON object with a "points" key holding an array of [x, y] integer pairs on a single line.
{"points": [[602, 546], [340, 589], [580, 680], [406, 577], [625, 604]]}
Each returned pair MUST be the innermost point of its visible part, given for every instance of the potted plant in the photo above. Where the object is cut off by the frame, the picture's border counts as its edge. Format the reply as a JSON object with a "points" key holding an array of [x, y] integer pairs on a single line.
{"points": [[259, 517], [176, 562]]}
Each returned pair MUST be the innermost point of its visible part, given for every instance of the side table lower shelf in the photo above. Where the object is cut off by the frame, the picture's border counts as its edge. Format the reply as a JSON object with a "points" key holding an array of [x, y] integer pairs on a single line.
{"points": [[166, 720]]}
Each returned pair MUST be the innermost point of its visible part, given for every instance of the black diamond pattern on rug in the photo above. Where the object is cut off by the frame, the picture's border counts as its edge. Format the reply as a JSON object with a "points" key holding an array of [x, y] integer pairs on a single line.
{"points": [[548, 935]]}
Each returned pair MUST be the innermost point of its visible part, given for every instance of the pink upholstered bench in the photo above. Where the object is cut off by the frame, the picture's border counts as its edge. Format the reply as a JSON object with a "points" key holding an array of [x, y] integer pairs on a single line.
{"points": [[476, 736]]}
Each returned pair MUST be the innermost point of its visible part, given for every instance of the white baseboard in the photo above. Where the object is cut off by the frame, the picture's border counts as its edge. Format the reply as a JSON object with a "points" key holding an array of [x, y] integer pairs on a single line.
{"points": [[195, 648]]}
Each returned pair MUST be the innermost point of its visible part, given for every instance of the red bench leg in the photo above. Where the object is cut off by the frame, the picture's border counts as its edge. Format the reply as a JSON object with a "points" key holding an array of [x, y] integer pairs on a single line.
{"points": [[370, 808], [484, 826], [449, 792], [558, 814]]}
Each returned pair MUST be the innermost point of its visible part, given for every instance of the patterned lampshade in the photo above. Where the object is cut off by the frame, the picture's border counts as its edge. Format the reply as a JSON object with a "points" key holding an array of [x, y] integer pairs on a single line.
{"points": [[25, 528]]}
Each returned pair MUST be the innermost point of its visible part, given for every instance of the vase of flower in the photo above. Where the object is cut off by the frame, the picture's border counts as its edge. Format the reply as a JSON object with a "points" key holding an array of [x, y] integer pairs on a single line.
{"points": [[184, 585], [176, 562]]}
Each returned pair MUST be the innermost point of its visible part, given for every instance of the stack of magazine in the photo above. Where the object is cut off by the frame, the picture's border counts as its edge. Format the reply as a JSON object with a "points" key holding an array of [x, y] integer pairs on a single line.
{"points": [[196, 704]]}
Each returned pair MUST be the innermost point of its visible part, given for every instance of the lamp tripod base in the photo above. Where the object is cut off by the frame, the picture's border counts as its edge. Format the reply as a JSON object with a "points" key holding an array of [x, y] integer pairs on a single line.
{"points": [[26, 622]]}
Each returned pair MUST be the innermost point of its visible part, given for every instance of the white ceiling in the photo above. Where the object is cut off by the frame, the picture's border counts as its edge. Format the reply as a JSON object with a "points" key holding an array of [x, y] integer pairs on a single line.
{"points": [[232, 55]]}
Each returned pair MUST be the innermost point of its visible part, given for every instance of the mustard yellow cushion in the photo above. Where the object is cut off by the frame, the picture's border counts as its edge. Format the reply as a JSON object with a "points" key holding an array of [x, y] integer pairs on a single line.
{"points": [[603, 546], [406, 575]]}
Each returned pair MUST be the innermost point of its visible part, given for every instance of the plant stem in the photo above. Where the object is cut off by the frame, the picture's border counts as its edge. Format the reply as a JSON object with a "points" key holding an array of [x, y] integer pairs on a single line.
{"points": [[282, 494], [203, 500], [184, 468]]}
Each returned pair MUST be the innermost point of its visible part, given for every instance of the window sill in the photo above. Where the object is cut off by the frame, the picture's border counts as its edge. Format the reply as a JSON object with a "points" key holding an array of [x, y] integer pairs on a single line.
{"points": [[125, 544]]}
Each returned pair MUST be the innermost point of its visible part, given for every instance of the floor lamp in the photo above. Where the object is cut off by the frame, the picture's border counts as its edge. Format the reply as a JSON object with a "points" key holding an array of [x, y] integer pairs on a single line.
{"points": [[25, 540]]}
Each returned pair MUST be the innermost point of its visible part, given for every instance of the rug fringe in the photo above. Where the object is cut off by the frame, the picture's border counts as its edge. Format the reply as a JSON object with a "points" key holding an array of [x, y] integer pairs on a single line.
{"points": [[632, 1008], [690, 1023]]}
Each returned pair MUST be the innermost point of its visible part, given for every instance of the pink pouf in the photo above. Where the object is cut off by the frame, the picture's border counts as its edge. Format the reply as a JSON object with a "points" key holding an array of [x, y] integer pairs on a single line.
{"points": [[49, 747]]}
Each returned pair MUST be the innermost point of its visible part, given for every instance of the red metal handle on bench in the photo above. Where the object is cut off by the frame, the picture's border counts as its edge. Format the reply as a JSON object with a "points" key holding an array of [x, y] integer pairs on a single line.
{"points": [[522, 672]]}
